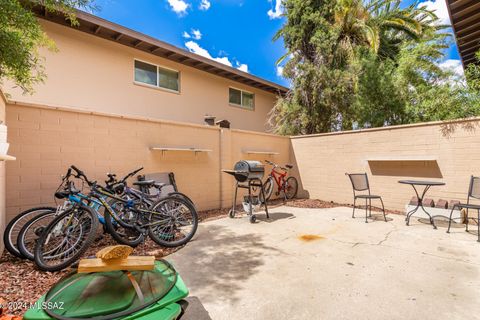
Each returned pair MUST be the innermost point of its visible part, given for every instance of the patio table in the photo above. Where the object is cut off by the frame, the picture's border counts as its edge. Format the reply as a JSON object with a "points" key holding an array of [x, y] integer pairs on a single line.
{"points": [[427, 185]]}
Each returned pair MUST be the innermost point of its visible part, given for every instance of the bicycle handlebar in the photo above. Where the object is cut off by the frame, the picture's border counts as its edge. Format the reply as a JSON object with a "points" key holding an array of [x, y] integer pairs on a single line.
{"points": [[80, 174], [131, 174]]}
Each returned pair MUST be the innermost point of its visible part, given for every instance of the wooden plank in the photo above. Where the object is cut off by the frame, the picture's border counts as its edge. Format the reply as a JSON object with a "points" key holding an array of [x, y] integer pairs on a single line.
{"points": [[132, 263]]}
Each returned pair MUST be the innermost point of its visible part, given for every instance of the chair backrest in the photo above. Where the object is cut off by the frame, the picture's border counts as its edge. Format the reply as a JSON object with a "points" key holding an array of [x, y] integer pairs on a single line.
{"points": [[474, 188], [164, 177], [359, 181]]}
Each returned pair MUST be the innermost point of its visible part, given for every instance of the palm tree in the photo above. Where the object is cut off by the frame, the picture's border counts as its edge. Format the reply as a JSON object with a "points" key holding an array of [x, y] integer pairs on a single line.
{"points": [[381, 25]]}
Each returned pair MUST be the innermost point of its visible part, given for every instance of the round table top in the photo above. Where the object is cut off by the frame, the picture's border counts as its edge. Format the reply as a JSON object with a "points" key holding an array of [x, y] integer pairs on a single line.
{"points": [[422, 183]]}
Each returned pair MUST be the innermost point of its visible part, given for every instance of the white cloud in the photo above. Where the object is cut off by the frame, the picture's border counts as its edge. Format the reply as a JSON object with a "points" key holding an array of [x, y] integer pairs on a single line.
{"points": [[242, 67], [276, 12], [440, 9], [194, 47], [196, 34], [455, 66], [204, 5], [186, 35], [279, 71], [179, 6]]}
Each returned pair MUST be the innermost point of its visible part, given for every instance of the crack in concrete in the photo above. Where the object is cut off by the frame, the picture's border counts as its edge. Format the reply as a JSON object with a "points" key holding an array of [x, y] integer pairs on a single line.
{"points": [[387, 236]]}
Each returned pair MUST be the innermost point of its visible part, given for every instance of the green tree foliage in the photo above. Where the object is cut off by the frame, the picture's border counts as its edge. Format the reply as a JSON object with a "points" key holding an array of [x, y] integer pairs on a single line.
{"points": [[356, 64], [21, 37]]}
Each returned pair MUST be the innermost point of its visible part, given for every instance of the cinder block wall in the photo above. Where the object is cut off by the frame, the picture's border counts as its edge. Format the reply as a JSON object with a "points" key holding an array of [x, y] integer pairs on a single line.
{"points": [[448, 152], [48, 140], [2, 178]]}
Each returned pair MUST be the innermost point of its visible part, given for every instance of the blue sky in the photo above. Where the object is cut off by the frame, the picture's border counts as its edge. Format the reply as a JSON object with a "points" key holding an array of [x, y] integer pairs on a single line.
{"points": [[235, 32]]}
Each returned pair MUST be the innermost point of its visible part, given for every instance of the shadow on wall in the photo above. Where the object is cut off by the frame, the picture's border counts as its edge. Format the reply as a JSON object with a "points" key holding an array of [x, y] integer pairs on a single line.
{"points": [[449, 128], [302, 193], [218, 261], [416, 168]]}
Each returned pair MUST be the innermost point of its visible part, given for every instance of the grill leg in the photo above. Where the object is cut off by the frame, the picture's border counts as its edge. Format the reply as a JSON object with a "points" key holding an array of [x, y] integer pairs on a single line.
{"points": [[235, 198], [250, 208], [265, 202]]}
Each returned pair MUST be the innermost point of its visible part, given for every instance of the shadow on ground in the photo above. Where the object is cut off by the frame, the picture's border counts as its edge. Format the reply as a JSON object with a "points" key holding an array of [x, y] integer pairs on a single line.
{"points": [[218, 261], [274, 216]]}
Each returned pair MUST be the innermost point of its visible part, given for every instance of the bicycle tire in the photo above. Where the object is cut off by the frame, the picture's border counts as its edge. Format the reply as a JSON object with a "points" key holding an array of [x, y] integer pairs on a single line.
{"points": [[268, 189], [164, 235], [183, 196], [24, 245], [291, 188], [118, 236], [13, 228], [40, 254]]}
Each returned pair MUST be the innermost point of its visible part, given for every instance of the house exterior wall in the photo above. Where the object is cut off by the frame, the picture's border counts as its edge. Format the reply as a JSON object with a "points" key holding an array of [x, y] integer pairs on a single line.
{"points": [[95, 74], [452, 151], [46, 141]]}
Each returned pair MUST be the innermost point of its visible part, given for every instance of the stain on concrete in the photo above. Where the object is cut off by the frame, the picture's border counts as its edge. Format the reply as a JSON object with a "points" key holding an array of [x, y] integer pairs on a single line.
{"points": [[310, 237]]}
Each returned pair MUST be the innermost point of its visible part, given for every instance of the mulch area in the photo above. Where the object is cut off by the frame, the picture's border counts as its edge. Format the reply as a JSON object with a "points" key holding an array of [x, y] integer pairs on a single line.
{"points": [[22, 284]]}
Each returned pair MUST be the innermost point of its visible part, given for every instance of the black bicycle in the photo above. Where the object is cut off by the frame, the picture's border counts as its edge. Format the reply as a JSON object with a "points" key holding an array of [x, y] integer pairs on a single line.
{"points": [[170, 221]]}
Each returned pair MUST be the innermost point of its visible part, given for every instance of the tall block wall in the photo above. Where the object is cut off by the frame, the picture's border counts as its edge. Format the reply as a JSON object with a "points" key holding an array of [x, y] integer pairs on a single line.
{"points": [[430, 151], [46, 141]]}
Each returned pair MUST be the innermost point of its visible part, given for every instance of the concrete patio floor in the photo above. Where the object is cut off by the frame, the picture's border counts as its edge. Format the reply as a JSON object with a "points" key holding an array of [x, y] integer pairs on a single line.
{"points": [[353, 271]]}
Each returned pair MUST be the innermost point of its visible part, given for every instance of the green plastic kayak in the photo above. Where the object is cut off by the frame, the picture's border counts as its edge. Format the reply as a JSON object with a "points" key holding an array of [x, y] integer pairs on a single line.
{"points": [[140, 295]]}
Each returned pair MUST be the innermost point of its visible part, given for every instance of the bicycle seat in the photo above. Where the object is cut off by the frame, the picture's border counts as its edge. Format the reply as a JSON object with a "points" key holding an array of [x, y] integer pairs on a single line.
{"points": [[148, 183], [289, 166]]}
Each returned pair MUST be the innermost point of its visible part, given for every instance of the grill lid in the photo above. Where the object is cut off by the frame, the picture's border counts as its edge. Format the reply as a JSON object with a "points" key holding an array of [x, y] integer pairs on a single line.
{"points": [[249, 166]]}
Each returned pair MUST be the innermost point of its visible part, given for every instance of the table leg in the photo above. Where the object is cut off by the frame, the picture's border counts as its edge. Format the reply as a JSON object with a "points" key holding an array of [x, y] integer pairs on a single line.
{"points": [[420, 204]]}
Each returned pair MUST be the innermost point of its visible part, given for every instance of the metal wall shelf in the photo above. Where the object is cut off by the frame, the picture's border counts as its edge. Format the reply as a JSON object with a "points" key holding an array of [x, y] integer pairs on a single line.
{"points": [[261, 152], [179, 149]]}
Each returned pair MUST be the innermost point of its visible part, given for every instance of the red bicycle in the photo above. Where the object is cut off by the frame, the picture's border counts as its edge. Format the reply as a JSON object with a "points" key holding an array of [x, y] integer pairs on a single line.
{"points": [[289, 185]]}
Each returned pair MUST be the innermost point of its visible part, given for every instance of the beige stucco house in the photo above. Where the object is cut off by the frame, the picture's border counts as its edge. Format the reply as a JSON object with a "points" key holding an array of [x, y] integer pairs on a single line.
{"points": [[103, 67]]}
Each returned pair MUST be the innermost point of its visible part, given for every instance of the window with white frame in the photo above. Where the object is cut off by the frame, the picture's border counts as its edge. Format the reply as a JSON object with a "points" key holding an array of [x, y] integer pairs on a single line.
{"points": [[157, 76], [241, 98]]}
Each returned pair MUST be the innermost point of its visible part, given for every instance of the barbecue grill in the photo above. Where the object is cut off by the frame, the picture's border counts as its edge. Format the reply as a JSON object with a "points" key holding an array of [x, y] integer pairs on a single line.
{"points": [[248, 175]]}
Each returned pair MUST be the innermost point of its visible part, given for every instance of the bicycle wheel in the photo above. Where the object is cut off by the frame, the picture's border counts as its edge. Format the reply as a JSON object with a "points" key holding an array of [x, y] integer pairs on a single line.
{"points": [[268, 188], [31, 232], [126, 236], [66, 238], [173, 222], [291, 187], [16, 224]]}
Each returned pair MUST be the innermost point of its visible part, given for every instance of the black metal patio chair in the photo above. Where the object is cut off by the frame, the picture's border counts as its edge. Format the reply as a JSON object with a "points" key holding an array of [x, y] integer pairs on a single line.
{"points": [[360, 184], [473, 192]]}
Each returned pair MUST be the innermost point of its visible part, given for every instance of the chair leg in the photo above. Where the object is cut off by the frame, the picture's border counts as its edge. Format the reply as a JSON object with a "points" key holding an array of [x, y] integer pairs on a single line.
{"points": [[370, 206], [466, 221], [366, 210], [450, 220], [354, 203], [383, 209], [478, 225]]}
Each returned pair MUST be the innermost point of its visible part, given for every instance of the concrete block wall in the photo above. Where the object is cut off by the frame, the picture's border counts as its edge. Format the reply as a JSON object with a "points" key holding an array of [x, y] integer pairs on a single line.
{"points": [[448, 152], [2, 178], [46, 141]]}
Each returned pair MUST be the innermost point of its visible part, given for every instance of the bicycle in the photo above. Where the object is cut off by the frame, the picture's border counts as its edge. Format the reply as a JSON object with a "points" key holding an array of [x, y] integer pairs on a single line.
{"points": [[32, 229], [165, 222], [289, 186]]}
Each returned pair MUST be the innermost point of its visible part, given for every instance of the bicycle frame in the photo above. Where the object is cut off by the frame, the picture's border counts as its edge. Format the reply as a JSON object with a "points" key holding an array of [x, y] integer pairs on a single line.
{"points": [[279, 178]]}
